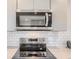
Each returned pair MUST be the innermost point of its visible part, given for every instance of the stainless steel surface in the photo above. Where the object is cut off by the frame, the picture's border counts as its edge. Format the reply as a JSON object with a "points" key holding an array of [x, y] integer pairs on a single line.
{"points": [[27, 40], [34, 47], [34, 28], [22, 10], [46, 19], [33, 21]]}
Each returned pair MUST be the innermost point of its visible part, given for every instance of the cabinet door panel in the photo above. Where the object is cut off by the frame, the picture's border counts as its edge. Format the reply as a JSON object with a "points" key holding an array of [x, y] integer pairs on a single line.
{"points": [[41, 4], [59, 9], [25, 4], [11, 15]]}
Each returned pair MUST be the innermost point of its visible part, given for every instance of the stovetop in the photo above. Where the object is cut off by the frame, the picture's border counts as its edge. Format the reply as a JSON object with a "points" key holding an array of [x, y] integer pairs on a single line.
{"points": [[49, 55]]}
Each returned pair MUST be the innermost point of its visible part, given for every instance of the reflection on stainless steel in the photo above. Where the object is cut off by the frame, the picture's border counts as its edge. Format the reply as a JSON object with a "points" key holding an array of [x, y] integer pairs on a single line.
{"points": [[32, 20]]}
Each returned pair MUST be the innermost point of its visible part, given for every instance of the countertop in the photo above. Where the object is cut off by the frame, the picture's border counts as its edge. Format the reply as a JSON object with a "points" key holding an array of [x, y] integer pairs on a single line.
{"points": [[59, 53]]}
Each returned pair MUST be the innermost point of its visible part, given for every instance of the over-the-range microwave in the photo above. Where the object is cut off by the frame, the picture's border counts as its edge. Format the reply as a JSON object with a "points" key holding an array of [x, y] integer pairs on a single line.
{"points": [[36, 21]]}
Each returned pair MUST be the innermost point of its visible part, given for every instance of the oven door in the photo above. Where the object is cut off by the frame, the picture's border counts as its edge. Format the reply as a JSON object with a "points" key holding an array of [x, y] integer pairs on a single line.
{"points": [[32, 47], [32, 21]]}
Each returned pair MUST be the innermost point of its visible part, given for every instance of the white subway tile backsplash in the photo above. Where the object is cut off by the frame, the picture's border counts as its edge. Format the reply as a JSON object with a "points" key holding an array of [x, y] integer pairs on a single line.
{"points": [[53, 38], [15, 36]]}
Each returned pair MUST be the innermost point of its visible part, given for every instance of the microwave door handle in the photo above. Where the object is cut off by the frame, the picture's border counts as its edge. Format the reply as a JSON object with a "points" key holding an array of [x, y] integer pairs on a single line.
{"points": [[46, 19]]}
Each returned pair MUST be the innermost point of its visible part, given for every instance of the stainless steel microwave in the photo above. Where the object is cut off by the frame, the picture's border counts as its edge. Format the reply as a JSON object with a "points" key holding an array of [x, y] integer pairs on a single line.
{"points": [[33, 20]]}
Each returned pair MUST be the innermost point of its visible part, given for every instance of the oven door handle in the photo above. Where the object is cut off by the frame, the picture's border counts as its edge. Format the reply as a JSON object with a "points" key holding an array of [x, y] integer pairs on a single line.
{"points": [[46, 19]]}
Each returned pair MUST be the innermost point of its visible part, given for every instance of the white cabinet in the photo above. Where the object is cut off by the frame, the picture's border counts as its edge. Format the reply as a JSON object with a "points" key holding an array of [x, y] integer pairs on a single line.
{"points": [[25, 4], [59, 10], [41, 4], [11, 15], [33, 4]]}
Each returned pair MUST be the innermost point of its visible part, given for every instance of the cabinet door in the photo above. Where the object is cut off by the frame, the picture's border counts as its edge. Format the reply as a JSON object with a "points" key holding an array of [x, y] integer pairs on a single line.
{"points": [[41, 4], [11, 15], [59, 10], [25, 4]]}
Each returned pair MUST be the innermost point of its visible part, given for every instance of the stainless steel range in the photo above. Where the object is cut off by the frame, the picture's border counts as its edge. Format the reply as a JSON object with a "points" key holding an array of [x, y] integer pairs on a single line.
{"points": [[32, 47]]}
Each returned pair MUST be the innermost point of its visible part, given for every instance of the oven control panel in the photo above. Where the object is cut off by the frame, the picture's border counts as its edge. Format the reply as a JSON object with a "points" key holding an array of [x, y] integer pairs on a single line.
{"points": [[32, 40]]}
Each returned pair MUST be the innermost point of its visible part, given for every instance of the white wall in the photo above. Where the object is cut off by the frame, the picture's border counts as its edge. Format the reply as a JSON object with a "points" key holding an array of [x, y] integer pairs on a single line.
{"points": [[63, 36], [11, 15]]}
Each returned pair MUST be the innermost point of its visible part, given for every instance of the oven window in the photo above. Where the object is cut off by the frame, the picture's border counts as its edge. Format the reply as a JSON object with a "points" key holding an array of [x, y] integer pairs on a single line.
{"points": [[32, 20]]}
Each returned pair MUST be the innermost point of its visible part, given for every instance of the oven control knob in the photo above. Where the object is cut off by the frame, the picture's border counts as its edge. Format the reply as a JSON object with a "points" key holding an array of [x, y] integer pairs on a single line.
{"points": [[24, 54], [44, 54], [49, 15], [40, 48]]}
